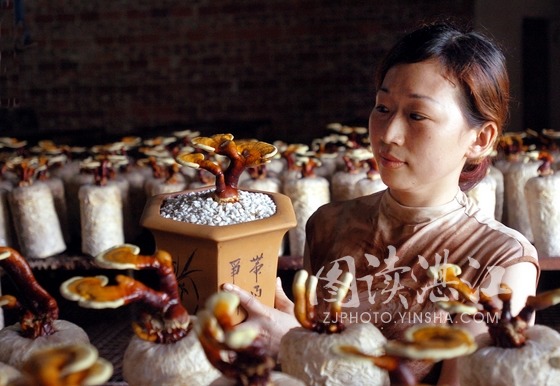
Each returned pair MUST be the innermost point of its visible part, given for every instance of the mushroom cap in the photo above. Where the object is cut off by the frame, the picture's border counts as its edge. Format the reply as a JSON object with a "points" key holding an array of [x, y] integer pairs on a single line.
{"points": [[360, 154], [211, 144], [91, 292], [456, 307], [72, 364], [544, 299], [122, 256], [89, 163], [222, 304], [8, 301], [12, 143], [187, 133], [241, 337], [256, 153], [432, 342], [158, 141], [8, 374], [60, 158], [442, 271], [131, 140], [192, 160], [551, 133]]}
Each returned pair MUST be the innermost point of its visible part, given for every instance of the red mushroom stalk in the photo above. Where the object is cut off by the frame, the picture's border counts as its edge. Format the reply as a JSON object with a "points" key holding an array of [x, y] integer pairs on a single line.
{"points": [[39, 326], [305, 292], [37, 307], [163, 318], [545, 169], [238, 351]]}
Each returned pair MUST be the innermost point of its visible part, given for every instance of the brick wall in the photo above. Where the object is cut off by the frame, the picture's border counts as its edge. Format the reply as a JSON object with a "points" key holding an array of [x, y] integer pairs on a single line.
{"points": [[281, 68]]}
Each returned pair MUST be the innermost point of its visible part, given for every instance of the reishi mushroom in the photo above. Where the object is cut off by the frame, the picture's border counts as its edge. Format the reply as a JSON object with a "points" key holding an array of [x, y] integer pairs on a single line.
{"points": [[101, 207], [307, 193], [241, 155], [513, 352], [343, 182], [238, 351], [35, 219], [543, 203], [164, 350], [305, 352], [39, 325], [421, 342], [72, 364]]}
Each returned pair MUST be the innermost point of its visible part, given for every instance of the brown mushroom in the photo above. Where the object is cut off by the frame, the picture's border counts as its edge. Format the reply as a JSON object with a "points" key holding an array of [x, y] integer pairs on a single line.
{"points": [[38, 311], [25, 169], [290, 153], [545, 169], [72, 364], [163, 319], [307, 163], [506, 330], [305, 293], [423, 342], [163, 347], [238, 351], [305, 352], [241, 155], [432, 343]]}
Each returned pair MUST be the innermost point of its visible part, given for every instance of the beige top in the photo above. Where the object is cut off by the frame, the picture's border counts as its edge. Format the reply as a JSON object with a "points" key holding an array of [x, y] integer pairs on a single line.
{"points": [[389, 248]]}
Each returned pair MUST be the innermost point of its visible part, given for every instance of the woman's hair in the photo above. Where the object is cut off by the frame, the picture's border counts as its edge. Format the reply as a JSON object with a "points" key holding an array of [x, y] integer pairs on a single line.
{"points": [[473, 62]]}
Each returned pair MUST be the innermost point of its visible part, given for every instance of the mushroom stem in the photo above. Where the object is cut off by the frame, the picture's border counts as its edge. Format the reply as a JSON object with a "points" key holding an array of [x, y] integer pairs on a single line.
{"points": [[237, 351], [236, 163], [42, 308], [302, 305], [545, 169], [349, 163], [304, 289], [336, 306], [308, 168]]}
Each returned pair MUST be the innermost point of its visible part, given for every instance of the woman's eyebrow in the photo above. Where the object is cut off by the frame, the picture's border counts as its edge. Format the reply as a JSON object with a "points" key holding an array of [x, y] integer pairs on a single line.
{"points": [[413, 95]]}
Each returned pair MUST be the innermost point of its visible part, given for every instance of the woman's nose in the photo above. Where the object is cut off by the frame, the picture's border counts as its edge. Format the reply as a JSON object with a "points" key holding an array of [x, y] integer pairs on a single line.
{"points": [[393, 131]]}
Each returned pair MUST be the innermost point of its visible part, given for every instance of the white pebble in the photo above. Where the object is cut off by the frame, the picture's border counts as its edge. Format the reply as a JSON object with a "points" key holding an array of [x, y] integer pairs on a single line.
{"points": [[200, 208]]}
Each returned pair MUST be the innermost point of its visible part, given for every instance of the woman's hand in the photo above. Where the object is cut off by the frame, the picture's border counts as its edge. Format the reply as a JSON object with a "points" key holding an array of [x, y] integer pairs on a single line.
{"points": [[272, 323]]}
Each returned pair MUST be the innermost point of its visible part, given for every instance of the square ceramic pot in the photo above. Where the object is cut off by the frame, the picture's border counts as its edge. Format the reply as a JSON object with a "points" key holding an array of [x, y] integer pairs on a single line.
{"points": [[207, 256]]}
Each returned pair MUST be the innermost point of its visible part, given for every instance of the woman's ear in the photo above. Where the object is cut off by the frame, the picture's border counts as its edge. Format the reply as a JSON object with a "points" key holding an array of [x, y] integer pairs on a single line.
{"points": [[483, 145]]}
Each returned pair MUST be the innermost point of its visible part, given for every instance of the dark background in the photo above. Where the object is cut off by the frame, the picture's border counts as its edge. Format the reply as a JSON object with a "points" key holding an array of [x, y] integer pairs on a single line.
{"points": [[272, 69]]}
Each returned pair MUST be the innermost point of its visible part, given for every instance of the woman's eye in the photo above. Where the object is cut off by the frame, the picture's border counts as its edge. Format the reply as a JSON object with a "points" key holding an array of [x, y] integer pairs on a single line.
{"points": [[381, 109], [417, 117]]}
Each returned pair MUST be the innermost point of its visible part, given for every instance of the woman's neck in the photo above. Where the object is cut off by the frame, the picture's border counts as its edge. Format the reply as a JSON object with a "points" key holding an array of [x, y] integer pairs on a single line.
{"points": [[429, 199]]}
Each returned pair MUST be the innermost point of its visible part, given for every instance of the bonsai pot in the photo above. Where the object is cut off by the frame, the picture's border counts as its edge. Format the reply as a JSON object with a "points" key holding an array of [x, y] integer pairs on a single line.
{"points": [[207, 256]]}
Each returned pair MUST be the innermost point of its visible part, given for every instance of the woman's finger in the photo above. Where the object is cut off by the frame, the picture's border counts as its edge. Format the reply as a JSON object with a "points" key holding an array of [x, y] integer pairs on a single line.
{"points": [[281, 300], [246, 300]]}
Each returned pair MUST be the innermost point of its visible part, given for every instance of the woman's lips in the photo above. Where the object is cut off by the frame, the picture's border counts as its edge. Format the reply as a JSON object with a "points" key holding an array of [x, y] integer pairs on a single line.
{"points": [[388, 161]]}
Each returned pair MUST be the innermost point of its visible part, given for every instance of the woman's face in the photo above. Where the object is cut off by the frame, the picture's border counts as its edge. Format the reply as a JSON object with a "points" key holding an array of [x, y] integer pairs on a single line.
{"points": [[419, 135]]}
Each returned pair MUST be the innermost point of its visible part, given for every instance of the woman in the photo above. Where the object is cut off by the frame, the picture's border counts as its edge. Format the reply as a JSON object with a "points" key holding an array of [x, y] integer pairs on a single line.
{"points": [[441, 103]]}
